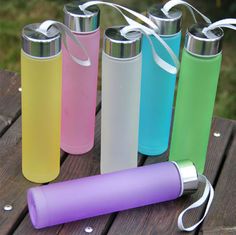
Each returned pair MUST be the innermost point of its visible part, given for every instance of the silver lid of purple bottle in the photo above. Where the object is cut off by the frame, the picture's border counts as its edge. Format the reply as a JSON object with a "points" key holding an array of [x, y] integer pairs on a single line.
{"points": [[198, 44], [118, 46], [168, 23], [189, 176], [36, 44], [79, 21]]}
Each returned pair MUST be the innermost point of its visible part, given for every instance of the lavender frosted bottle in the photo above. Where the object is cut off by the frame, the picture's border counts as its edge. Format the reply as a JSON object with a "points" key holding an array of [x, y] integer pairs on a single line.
{"points": [[107, 193]]}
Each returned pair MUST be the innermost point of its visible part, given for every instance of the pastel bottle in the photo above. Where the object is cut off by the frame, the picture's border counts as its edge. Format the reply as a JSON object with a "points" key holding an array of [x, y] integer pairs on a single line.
{"points": [[157, 85], [107, 193], [79, 83], [121, 77], [41, 64], [198, 79]]}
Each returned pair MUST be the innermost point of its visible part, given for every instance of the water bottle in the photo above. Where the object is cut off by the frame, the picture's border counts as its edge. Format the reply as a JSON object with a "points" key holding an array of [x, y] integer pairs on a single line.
{"points": [[157, 85], [79, 83], [199, 73], [107, 193], [41, 64], [121, 77]]}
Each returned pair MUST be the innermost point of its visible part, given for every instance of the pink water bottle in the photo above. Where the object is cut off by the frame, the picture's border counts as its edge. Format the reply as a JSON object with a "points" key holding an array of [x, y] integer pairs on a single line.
{"points": [[79, 83]]}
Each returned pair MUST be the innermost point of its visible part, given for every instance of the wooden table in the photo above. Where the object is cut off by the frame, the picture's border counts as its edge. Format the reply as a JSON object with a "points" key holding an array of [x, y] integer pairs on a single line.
{"points": [[154, 219]]}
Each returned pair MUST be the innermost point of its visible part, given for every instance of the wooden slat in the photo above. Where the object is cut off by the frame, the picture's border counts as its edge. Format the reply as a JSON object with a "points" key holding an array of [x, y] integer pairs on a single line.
{"points": [[9, 99], [222, 215], [75, 167], [72, 167], [78, 167], [13, 185], [162, 218]]}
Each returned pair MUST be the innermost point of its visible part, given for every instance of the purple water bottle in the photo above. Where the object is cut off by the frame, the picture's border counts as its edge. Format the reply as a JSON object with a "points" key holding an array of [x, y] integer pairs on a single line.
{"points": [[107, 193], [79, 83]]}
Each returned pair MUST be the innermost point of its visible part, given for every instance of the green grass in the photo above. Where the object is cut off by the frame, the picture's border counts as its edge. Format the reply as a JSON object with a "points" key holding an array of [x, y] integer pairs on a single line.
{"points": [[14, 14]]}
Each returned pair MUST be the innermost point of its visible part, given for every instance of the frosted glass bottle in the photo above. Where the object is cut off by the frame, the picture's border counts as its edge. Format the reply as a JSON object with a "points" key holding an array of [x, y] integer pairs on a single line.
{"points": [[199, 73], [79, 83], [121, 77], [157, 85], [41, 65], [117, 191]]}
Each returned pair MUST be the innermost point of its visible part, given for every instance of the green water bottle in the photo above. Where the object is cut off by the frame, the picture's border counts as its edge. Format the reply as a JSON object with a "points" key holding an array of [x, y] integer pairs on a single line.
{"points": [[199, 73]]}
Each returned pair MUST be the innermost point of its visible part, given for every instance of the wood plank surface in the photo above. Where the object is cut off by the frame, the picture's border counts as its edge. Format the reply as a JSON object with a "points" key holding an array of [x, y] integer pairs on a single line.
{"points": [[9, 99], [155, 219], [77, 167], [162, 218], [13, 185], [222, 215], [74, 167]]}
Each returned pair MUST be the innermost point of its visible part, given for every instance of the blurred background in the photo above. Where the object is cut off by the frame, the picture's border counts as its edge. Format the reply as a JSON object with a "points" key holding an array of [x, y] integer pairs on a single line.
{"points": [[14, 14]]}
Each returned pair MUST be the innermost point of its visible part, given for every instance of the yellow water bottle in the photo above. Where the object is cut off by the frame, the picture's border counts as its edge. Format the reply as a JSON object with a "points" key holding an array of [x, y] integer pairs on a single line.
{"points": [[41, 66]]}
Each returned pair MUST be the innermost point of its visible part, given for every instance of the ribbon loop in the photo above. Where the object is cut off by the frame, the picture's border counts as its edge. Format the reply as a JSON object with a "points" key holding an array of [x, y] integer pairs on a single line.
{"points": [[120, 8], [163, 64], [65, 31], [225, 23], [172, 3], [208, 193], [133, 25]]}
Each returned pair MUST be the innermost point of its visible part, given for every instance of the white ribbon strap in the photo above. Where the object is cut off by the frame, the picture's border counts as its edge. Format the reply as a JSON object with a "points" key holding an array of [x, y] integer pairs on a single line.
{"points": [[147, 31], [119, 7], [208, 192], [226, 23], [173, 3], [64, 30], [163, 64]]}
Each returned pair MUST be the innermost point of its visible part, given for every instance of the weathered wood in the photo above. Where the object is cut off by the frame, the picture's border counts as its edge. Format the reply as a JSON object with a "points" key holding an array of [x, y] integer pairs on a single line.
{"points": [[162, 218], [9, 99], [155, 219], [222, 215], [74, 167], [78, 167], [13, 185]]}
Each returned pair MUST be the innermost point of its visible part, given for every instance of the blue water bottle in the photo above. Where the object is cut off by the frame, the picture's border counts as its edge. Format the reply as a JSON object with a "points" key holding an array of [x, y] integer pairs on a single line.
{"points": [[157, 85]]}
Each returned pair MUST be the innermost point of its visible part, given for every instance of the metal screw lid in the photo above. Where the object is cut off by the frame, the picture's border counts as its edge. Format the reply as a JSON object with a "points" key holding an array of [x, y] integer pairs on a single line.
{"points": [[37, 44], [168, 24], [118, 46], [199, 44], [189, 176], [78, 21]]}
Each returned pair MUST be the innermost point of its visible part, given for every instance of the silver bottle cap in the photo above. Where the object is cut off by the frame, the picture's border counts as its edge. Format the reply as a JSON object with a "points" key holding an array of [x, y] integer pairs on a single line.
{"points": [[198, 44], [118, 46], [168, 24], [189, 176], [78, 21], [37, 44]]}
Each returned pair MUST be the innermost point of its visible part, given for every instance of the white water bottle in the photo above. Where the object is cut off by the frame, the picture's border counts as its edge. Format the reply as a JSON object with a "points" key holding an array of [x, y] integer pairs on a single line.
{"points": [[121, 78]]}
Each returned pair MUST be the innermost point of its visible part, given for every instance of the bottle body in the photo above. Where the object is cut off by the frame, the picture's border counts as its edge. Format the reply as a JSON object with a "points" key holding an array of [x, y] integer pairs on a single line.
{"points": [[127, 189], [120, 112], [194, 108], [41, 112], [79, 91], [157, 95]]}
